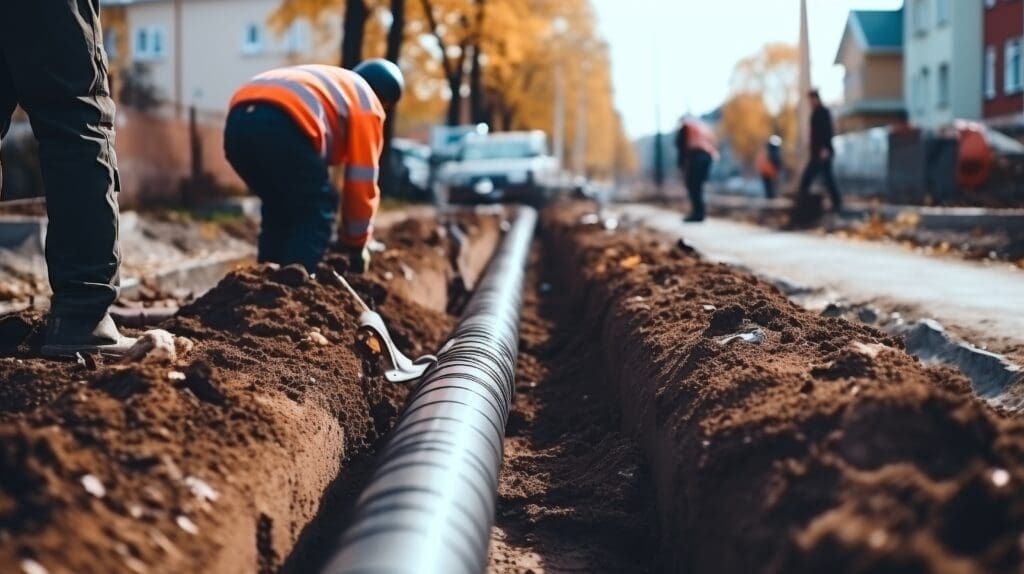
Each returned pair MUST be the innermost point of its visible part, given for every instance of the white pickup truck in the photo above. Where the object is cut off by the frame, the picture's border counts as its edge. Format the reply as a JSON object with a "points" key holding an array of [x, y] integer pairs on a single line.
{"points": [[503, 167]]}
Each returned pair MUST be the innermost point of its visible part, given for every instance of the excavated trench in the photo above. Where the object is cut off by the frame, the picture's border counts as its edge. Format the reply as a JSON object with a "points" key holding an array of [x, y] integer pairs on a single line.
{"points": [[779, 440], [217, 461], [671, 414]]}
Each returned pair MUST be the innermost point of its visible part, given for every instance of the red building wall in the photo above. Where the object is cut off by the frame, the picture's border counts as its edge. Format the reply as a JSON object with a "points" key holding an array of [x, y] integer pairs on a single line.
{"points": [[1003, 21]]}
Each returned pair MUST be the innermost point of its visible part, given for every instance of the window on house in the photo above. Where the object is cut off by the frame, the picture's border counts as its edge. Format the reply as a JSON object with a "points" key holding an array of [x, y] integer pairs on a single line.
{"points": [[110, 40], [1012, 81], [142, 43], [990, 72], [921, 16], [922, 96], [942, 10], [158, 48], [943, 88], [252, 42], [297, 39], [149, 43]]}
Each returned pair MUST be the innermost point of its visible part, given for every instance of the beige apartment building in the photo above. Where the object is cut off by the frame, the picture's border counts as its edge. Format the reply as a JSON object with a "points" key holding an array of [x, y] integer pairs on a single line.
{"points": [[196, 53], [192, 55], [871, 51]]}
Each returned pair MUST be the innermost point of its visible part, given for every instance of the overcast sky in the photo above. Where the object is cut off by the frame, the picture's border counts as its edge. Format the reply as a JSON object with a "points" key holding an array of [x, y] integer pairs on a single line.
{"points": [[700, 42]]}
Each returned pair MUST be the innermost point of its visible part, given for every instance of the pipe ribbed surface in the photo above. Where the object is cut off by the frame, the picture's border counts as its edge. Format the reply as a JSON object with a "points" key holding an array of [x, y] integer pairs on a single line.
{"points": [[430, 505]]}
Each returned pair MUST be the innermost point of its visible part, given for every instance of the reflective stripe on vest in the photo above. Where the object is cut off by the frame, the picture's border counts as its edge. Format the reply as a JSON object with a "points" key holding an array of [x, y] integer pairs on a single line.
{"points": [[340, 101], [360, 173], [364, 95], [312, 102], [358, 228]]}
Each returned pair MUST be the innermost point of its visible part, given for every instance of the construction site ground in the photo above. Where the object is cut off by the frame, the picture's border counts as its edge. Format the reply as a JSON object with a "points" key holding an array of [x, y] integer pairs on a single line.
{"points": [[673, 413]]}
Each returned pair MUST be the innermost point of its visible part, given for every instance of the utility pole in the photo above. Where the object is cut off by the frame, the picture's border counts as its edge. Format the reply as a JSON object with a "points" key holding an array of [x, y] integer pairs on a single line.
{"points": [[804, 108], [659, 150], [580, 147], [559, 27], [179, 97]]}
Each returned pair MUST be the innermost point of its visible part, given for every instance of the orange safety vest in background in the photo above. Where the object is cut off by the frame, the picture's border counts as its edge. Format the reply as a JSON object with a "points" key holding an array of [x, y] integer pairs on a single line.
{"points": [[344, 119], [699, 136], [765, 166]]}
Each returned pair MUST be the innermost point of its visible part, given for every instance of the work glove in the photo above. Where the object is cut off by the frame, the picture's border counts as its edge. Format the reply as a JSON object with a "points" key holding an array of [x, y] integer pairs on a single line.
{"points": [[358, 259]]}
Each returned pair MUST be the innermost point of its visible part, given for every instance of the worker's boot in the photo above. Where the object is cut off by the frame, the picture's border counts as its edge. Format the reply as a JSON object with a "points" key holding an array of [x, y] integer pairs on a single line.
{"points": [[67, 336], [694, 218]]}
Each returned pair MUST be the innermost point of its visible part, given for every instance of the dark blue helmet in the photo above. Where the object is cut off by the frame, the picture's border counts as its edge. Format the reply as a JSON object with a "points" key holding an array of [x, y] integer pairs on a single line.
{"points": [[384, 77]]}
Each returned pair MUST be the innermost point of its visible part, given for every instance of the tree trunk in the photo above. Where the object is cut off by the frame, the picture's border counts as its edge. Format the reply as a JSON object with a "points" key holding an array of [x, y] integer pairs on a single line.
{"points": [[390, 181], [353, 31], [455, 79], [477, 100]]}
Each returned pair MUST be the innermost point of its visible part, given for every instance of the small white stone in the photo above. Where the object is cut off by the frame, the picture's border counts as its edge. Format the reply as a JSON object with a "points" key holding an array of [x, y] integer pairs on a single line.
{"points": [[877, 538], [93, 486], [30, 566], [200, 489], [185, 523], [175, 376], [1000, 477]]}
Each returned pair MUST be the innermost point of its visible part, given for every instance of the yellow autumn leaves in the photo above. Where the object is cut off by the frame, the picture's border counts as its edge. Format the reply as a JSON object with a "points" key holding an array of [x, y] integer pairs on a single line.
{"points": [[524, 45]]}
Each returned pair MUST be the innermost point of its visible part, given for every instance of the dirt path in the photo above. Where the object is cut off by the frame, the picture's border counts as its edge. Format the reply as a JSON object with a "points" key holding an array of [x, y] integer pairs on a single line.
{"points": [[575, 494], [984, 303]]}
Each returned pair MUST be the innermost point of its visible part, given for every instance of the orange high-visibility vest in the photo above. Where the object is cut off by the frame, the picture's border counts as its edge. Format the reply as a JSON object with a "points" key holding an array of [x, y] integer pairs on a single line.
{"points": [[344, 119], [765, 165], [699, 136]]}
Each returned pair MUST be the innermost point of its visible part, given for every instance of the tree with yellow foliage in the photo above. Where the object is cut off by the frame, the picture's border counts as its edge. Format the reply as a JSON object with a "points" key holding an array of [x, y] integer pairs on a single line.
{"points": [[763, 101], [491, 61]]}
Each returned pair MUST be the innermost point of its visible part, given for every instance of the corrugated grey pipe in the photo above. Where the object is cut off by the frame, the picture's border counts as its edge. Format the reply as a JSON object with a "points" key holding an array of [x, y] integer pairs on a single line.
{"points": [[430, 504]]}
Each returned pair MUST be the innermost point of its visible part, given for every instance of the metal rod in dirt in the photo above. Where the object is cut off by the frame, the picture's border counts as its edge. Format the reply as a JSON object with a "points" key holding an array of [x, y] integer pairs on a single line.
{"points": [[430, 504]]}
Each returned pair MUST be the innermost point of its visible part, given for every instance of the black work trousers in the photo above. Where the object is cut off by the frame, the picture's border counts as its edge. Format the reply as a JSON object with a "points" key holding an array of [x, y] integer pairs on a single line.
{"points": [[818, 167], [696, 172], [280, 165], [769, 186], [53, 64]]}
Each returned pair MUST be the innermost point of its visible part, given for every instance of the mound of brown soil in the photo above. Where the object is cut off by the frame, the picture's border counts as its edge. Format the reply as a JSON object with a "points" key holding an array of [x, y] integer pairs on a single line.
{"points": [[822, 448], [215, 463]]}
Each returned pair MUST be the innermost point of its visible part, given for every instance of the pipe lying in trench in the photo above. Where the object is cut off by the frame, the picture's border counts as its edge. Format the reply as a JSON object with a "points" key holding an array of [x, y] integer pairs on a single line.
{"points": [[429, 507]]}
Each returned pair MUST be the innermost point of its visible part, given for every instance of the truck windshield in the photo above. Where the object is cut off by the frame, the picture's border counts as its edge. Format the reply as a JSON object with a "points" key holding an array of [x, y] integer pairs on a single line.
{"points": [[498, 150]]}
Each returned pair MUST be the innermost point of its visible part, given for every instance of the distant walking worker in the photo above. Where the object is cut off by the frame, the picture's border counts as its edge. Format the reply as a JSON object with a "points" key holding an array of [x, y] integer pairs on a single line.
{"points": [[53, 64], [820, 163], [697, 149], [286, 129], [769, 164]]}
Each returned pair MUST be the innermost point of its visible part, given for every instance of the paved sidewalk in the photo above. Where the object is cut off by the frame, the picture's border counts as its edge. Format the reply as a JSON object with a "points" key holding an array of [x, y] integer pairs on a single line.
{"points": [[982, 301]]}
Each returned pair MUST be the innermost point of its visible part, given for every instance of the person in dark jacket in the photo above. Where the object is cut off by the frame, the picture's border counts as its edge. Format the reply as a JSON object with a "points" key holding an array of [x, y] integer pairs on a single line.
{"points": [[52, 64], [822, 152]]}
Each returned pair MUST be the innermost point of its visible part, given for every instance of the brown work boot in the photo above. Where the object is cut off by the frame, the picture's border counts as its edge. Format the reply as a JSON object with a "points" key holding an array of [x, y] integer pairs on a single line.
{"points": [[68, 336]]}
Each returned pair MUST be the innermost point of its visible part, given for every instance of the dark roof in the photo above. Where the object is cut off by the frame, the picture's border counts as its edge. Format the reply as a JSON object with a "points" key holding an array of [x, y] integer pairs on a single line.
{"points": [[883, 29]]}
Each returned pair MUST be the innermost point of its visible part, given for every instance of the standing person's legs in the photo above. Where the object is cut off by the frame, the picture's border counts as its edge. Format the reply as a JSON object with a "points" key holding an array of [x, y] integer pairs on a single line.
{"points": [[279, 164], [698, 168], [312, 202], [55, 55], [250, 146], [314, 214], [810, 174], [769, 186], [830, 184]]}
